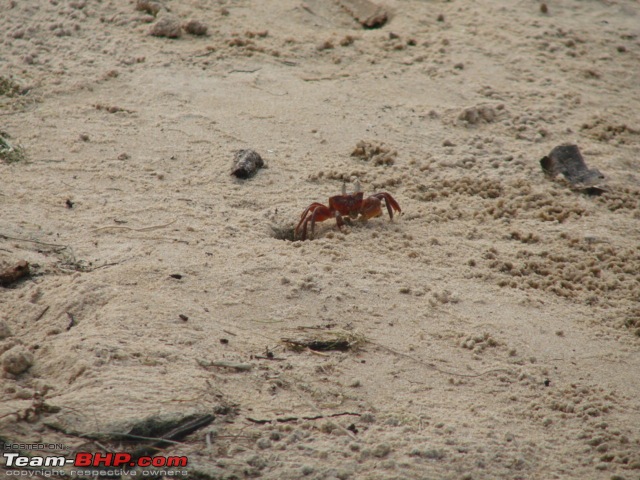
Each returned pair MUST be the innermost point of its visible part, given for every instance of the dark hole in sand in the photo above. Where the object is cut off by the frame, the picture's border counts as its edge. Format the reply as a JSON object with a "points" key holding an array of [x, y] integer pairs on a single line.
{"points": [[283, 233]]}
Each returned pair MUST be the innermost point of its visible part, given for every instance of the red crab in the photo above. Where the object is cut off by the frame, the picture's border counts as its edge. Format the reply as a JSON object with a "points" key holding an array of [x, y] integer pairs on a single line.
{"points": [[352, 204]]}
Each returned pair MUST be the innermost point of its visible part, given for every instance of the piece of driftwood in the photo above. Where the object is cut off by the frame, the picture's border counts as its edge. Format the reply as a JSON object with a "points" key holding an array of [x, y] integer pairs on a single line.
{"points": [[246, 163], [367, 13], [13, 274], [339, 344], [567, 160]]}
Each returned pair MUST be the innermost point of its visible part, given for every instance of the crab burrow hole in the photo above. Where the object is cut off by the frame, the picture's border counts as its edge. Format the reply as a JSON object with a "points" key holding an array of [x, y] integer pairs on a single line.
{"points": [[286, 232]]}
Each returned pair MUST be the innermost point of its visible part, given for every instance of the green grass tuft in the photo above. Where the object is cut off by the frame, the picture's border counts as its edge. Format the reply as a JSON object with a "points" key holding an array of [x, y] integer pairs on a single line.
{"points": [[10, 153]]}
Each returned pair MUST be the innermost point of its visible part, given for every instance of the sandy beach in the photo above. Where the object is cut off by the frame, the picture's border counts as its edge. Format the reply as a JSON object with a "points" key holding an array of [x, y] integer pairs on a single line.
{"points": [[491, 330]]}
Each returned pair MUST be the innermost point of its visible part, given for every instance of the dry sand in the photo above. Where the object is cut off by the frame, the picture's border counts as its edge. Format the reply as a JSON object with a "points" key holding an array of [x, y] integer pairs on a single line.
{"points": [[495, 324]]}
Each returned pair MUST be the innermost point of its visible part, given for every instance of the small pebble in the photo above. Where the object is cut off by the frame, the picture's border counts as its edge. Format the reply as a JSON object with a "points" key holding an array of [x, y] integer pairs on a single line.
{"points": [[194, 27], [5, 331], [381, 450], [264, 443], [257, 461], [168, 27], [17, 360], [326, 45], [152, 8]]}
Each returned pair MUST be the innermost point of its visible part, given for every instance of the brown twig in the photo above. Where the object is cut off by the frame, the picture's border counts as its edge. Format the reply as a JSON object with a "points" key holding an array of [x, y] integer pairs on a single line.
{"points": [[45, 310], [295, 419], [72, 321]]}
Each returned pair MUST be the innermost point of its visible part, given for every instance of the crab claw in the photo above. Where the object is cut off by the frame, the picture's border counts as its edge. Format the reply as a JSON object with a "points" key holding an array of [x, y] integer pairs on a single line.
{"points": [[389, 201], [371, 207]]}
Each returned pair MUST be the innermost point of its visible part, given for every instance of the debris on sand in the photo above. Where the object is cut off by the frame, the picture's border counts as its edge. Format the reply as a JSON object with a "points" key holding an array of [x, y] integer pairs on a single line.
{"points": [[154, 433], [367, 13], [326, 341], [17, 360], [194, 27], [567, 160], [13, 274], [9, 153], [238, 366], [168, 27], [147, 6], [246, 163]]}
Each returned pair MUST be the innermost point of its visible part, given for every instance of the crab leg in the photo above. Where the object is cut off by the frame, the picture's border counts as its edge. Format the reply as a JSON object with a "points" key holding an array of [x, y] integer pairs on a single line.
{"points": [[317, 213], [390, 203], [313, 206]]}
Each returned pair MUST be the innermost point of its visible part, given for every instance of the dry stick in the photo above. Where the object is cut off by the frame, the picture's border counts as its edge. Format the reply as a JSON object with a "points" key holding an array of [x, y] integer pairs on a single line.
{"points": [[186, 242], [294, 419], [144, 229], [177, 433], [7, 237], [235, 70], [72, 321], [437, 369], [104, 266], [46, 309]]}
